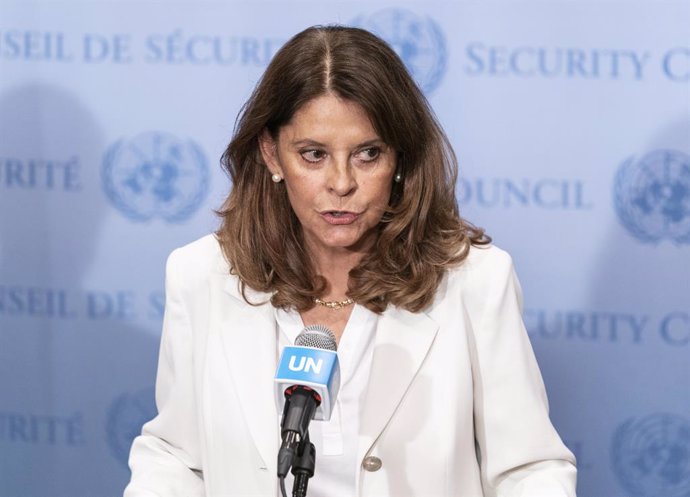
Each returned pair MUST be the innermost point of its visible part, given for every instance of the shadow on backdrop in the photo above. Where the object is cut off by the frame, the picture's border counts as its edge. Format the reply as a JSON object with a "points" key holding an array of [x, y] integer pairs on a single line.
{"points": [[75, 389]]}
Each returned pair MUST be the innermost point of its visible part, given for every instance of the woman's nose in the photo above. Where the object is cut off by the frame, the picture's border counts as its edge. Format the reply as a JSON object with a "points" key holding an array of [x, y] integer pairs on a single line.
{"points": [[341, 179]]}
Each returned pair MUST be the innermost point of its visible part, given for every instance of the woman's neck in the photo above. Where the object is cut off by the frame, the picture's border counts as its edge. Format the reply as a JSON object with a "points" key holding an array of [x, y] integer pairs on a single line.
{"points": [[335, 263], [336, 269]]}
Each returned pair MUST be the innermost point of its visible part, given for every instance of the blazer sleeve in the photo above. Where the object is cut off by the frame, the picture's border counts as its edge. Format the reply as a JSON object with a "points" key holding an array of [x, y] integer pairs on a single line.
{"points": [[165, 459], [520, 453]]}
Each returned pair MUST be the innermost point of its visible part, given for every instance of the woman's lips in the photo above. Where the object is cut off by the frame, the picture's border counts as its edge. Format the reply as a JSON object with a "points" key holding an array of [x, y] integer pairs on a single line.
{"points": [[339, 217]]}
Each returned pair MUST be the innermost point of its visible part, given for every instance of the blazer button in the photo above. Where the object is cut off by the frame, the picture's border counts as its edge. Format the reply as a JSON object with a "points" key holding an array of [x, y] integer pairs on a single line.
{"points": [[372, 463]]}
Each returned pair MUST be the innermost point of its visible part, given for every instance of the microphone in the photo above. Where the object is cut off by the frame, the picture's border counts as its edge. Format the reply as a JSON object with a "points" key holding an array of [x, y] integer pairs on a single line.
{"points": [[306, 386]]}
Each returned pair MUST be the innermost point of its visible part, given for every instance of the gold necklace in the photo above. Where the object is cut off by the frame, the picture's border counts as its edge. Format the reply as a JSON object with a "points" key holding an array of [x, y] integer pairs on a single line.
{"points": [[334, 304]]}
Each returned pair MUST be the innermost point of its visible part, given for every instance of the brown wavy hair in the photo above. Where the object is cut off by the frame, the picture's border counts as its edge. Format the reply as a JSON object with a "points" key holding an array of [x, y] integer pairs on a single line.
{"points": [[421, 234]]}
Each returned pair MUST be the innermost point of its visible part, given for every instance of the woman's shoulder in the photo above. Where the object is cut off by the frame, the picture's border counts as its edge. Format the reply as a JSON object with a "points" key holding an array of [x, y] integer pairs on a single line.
{"points": [[485, 267], [197, 259], [485, 259], [484, 276]]}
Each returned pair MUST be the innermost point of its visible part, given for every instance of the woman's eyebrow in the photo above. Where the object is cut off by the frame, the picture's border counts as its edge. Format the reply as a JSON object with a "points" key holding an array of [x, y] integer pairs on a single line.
{"points": [[307, 142], [300, 142]]}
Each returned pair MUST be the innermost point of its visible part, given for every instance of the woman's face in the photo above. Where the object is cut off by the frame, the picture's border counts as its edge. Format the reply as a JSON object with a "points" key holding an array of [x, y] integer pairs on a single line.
{"points": [[337, 171]]}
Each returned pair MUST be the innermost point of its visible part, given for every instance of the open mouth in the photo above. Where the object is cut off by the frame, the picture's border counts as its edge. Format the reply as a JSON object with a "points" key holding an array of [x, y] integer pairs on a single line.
{"points": [[339, 217]]}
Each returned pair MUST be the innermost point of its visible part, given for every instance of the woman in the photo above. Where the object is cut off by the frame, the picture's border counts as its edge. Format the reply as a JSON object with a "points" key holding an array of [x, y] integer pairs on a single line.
{"points": [[343, 213]]}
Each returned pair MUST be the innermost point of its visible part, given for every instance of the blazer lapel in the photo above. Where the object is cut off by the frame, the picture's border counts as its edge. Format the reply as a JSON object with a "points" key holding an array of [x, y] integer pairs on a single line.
{"points": [[248, 336], [402, 342]]}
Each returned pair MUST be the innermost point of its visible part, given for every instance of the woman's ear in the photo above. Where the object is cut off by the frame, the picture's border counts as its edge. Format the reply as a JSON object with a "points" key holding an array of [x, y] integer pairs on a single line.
{"points": [[269, 153]]}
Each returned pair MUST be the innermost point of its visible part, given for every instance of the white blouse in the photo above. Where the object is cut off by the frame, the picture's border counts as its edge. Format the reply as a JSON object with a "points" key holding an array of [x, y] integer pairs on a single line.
{"points": [[336, 440]]}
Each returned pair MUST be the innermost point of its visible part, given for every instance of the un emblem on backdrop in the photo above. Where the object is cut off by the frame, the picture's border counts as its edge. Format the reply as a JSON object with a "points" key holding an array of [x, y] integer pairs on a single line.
{"points": [[155, 175], [651, 456], [125, 417], [652, 196], [418, 41]]}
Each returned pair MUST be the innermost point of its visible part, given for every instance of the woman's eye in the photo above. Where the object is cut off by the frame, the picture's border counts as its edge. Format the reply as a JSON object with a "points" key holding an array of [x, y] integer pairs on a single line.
{"points": [[312, 155], [369, 154]]}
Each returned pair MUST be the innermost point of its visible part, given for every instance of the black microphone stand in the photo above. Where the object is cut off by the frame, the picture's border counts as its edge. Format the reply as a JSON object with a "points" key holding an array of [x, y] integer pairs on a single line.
{"points": [[296, 450], [303, 465]]}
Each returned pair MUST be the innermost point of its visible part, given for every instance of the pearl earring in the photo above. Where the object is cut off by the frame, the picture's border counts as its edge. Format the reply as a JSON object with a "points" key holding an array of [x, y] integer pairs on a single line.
{"points": [[398, 177], [277, 178]]}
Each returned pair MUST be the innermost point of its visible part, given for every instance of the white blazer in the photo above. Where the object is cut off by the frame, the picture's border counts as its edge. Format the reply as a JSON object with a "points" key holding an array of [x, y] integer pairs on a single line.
{"points": [[455, 404]]}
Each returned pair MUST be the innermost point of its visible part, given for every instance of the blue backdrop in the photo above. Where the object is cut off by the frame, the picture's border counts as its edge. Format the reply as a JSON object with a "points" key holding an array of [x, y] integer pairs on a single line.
{"points": [[571, 121]]}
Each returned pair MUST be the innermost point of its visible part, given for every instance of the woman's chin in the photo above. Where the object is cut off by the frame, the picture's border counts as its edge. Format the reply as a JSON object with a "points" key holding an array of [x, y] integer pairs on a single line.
{"points": [[344, 242]]}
